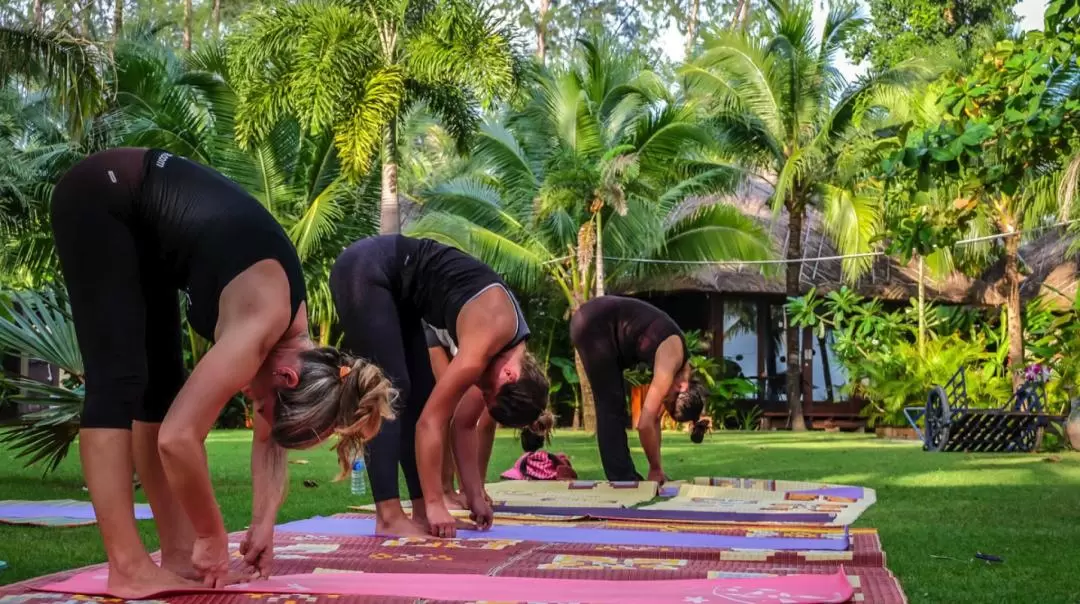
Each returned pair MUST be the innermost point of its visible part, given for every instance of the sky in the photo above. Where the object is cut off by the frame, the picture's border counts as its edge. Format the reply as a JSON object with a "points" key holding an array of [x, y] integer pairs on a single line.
{"points": [[1030, 13]]}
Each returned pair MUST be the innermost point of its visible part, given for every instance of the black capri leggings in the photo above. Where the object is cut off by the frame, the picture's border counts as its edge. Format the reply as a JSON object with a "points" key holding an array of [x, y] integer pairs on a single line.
{"points": [[376, 328], [127, 316], [594, 341]]}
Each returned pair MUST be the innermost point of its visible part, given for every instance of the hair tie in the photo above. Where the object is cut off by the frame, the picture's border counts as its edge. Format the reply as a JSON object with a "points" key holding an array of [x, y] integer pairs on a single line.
{"points": [[344, 371]]}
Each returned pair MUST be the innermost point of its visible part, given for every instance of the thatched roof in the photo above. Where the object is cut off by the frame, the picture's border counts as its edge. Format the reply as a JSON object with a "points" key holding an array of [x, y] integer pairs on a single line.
{"points": [[1047, 267], [888, 279]]}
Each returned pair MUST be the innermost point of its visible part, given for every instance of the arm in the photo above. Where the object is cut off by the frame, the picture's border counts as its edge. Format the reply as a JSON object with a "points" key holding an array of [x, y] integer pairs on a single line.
{"points": [[485, 433], [466, 445], [269, 472], [227, 366], [649, 421], [431, 428]]}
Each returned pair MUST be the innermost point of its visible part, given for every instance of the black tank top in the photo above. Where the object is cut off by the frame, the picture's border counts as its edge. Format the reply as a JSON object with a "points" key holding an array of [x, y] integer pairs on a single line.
{"points": [[440, 280], [206, 230], [638, 328]]}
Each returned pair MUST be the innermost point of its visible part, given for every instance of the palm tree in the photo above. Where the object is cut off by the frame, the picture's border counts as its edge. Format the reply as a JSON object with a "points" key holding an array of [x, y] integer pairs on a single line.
{"points": [[778, 103], [596, 166], [353, 69]]}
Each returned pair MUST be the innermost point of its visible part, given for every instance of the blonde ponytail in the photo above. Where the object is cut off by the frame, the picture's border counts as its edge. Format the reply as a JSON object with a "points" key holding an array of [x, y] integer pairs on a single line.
{"points": [[364, 403], [336, 394]]}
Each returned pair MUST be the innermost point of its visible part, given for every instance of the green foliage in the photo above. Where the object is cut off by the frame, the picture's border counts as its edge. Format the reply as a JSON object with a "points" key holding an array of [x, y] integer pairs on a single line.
{"points": [[353, 69], [957, 32], [879, 352], [778, 105], [39, 326], [597, 143]]}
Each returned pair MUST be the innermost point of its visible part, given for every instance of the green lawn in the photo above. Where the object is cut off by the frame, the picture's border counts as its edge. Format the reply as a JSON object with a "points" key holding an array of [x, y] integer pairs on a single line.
{"points": [[1020, 507]]}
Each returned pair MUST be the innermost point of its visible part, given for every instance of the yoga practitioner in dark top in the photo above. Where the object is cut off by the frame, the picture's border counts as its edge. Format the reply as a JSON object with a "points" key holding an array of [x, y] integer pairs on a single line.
{"points": [[133, 228], [385, 288], [612, 334]]}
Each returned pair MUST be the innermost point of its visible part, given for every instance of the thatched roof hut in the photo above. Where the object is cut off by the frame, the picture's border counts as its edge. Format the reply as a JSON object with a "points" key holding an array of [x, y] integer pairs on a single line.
{"points": [[1049, 269]]}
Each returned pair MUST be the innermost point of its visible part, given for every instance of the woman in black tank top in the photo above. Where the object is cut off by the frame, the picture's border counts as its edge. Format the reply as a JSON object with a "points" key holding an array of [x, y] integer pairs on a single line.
{"points": [[612, 334], [386, 289], [133, 229]]}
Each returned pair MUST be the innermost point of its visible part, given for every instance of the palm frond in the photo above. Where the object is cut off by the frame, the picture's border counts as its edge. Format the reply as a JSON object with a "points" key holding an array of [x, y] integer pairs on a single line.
{"points": [[38, 325], [71, 68], [852, 219], [318, 220], [521, 265], [359, 137]]}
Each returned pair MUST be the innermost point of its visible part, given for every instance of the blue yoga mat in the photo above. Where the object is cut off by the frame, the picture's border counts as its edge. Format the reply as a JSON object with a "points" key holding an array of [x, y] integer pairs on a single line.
{"points": [[671, 515], [60, 508], [364, 527]]}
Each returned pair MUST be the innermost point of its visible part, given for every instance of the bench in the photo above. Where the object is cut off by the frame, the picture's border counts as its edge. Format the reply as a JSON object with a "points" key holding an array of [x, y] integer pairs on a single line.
{"points": [[952, 425]]}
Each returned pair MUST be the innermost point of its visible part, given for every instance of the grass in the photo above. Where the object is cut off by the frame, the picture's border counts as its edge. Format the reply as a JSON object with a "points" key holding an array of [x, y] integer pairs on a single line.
{"points": [[1020, 507]]}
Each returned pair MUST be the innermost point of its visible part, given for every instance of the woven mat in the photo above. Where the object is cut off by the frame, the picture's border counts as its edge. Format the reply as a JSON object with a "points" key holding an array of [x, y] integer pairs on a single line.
{"points": [[299, 553], [584, 493], [751, 496]]}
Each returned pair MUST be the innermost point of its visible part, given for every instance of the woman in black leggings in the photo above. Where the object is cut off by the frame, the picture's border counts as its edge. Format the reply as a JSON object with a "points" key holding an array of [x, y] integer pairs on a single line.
{"points": [[134, 228], [385, 289], [612, 334]]}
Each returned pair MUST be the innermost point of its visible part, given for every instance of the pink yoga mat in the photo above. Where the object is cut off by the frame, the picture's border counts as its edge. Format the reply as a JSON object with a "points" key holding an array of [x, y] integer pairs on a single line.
{"points": [[790, 589]]}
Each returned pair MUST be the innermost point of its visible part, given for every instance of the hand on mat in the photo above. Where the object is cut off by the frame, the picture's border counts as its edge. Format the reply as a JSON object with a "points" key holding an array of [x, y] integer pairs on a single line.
{"points": [[482, 513], [258, 550], [658, 476], [440, 522], [210, 557]]}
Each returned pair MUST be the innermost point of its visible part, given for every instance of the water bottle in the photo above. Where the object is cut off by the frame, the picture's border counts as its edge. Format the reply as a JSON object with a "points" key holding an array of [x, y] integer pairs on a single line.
{"points": [[359, 477]]}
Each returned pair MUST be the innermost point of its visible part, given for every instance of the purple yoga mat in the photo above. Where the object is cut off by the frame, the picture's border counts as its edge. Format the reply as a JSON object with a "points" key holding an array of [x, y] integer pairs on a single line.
{"points": [[674, 515], [364, 527], [77, 510], [848, 492]]}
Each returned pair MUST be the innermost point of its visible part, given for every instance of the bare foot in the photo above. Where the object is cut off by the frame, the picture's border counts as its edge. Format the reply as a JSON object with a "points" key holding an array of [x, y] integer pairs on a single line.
{"points": [[454, 501], [148, 580], [180, 565], [402, 527]]}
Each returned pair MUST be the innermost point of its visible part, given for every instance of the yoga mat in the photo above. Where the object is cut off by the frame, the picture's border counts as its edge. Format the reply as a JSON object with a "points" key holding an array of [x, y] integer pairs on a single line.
{"points": [[720, 499], [791, 588], [357, 527], [406, 505], [865, 548], [58, 512], [652, 513], [298, 553]]}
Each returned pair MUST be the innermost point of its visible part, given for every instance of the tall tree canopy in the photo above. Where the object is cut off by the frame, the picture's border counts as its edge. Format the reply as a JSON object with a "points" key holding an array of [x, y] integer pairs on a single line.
{"points": [[955, 31]]}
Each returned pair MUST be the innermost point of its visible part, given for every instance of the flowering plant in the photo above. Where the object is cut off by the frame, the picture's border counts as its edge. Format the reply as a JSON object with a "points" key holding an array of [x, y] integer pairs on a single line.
{"points": [[1037, 373]]}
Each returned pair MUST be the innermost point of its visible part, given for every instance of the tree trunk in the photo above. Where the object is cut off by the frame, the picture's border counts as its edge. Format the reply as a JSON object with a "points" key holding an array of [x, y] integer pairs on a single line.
{"points": [[921, 337], [39, 13], [86, 18], [599, 256], [215, 18], [389, 211], [541, 31], [737, 17], [691, 27], [118, 18], [796, 214], [1013, 309], [187, 25]]}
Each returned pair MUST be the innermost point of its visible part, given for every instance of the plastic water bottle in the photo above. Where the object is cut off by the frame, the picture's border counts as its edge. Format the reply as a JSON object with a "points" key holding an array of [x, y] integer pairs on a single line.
{"points": [[359, 477]]}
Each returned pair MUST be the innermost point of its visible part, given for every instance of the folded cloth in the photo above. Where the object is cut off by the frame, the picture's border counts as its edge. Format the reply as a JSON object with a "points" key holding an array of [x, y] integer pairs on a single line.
{"points": [[541, 465]]}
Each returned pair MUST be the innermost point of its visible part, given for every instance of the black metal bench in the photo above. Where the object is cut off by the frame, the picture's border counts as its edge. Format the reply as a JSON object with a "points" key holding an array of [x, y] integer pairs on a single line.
{"points": [[952, 425]]}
